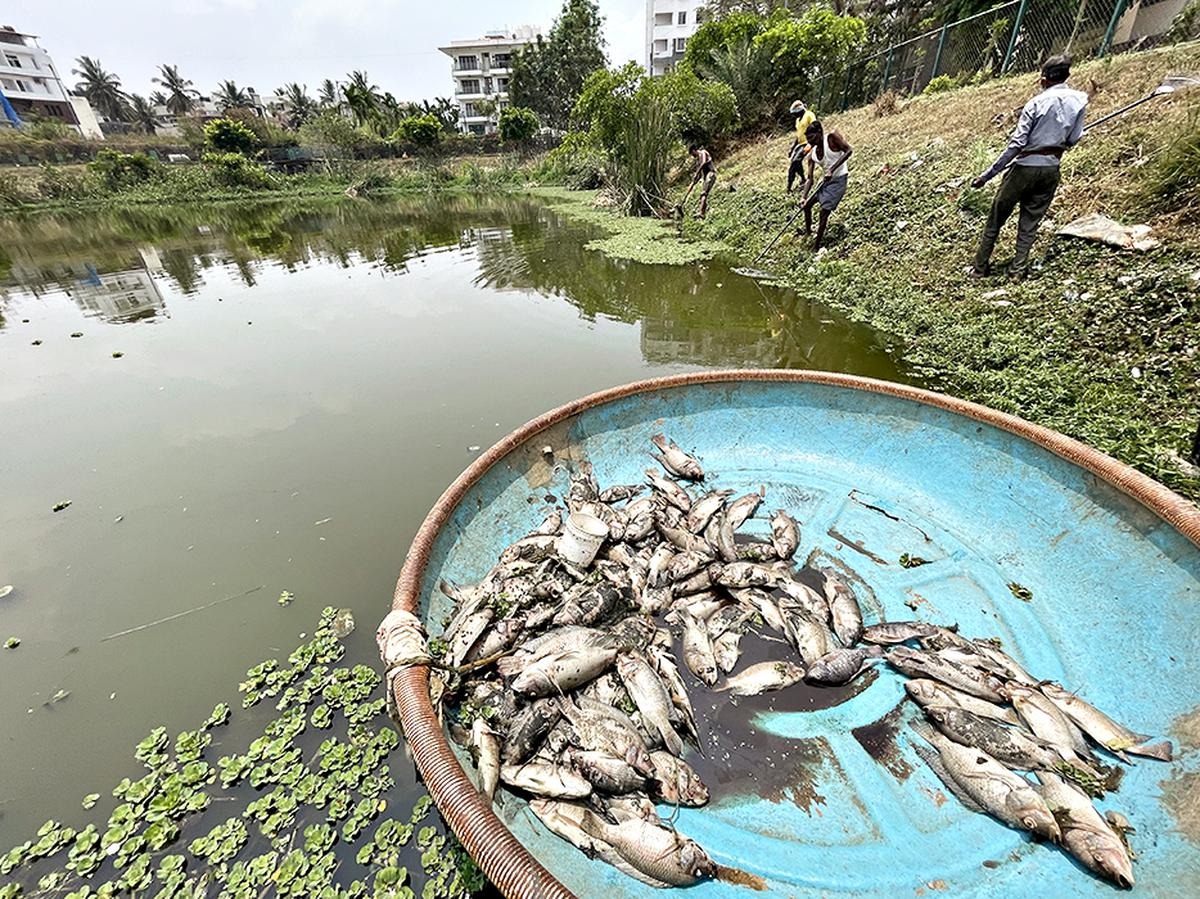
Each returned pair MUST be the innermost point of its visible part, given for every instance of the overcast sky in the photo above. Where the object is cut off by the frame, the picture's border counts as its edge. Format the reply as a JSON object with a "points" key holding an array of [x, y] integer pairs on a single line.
{"points": [[266, 43]]}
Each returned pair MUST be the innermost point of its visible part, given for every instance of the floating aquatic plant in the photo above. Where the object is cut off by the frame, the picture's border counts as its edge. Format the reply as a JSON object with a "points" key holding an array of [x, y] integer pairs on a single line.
{"points": [[302, 814]]}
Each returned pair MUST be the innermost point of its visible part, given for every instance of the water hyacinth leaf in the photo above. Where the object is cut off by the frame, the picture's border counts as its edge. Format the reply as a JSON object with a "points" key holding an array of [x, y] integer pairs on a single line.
{"points": [[220, 715], [286, 597], [12, 642], [90, 800]]}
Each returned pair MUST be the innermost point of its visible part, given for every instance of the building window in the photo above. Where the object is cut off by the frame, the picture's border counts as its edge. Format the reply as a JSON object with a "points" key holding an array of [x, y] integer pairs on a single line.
{"points": [[8, 84], [468, 110], [468, 62], [680, 44], [12, 60], [502, 60], [470, 86], [502, 85], [681, 19], [487, 85]]}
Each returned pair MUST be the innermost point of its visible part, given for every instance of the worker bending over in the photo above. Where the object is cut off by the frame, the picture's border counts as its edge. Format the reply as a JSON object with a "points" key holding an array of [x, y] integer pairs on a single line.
{"points": [[1050, 124], [706, 171], [830, 152]]}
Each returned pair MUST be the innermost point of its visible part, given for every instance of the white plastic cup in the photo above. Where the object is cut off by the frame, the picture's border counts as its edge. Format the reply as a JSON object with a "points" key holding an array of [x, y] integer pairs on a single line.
{"points": [[581, 539]]}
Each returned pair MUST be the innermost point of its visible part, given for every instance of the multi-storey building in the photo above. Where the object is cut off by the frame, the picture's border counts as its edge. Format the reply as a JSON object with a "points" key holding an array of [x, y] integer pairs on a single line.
{"points": [[31, 87], [481, 69], [669, 24]]}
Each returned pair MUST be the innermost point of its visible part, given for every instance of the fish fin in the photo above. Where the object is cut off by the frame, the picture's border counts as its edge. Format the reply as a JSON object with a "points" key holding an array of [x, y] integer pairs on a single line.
{"points": [[1160, 751], [672, 741], [659, 440], [934, 760], [924, 730]]}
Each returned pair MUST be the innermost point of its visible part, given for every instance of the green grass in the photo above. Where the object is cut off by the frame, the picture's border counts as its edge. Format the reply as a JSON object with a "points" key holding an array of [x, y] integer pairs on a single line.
{"points": [[1100, 344]]}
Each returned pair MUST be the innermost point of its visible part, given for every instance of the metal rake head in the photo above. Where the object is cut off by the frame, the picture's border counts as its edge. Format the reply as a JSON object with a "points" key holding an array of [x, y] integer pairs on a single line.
{"points": [[1173, 83]]}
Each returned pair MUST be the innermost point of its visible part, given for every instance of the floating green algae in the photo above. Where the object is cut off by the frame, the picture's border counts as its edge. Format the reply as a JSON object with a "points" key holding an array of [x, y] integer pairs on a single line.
{"points": [[303, 809]]}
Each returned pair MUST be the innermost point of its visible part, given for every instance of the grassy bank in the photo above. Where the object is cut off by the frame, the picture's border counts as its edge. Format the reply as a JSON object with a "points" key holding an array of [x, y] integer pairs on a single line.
{"points": [[57, 187], [1099, 343]]}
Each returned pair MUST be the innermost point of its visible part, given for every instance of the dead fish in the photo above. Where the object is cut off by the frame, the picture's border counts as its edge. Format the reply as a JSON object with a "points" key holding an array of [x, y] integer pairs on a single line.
{"points": [[1114, 737], [531, 549], [1011, 746], [639, 519], [763, 678], [564, 819], [687, 563], [705, 508], [844, 610], [917, 663], [742, 508], [890, 632], [499, 638], [837, 667], [669, 490], [1042, 716], [485, 747], [659, 565], [1122, 828], [926, 693], [683, 540], [528, 729], [812, 639], [663, 661], [551, 524], [727, 650], [1085, 834], [676, 461], [650, 696], [620, 492], [785, 534], [982, 784], [743, 574], [583, 487], [471, 629], [544, 779], [604, 729], [762, 603], [699, 582], [697, 650], [1012, 669], [804, 597], [657, 851], [676, 782], [564, 671], [607, 772]]}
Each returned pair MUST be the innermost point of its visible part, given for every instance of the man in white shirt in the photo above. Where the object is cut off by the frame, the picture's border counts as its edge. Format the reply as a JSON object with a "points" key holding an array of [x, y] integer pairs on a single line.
{"points": [[1050, 124]]}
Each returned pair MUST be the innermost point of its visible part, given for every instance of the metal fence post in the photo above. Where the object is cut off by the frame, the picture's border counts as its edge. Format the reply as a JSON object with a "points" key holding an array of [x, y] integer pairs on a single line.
{"points": [[1012, 41], [887, 70], [1118, 11], [937, 57]]}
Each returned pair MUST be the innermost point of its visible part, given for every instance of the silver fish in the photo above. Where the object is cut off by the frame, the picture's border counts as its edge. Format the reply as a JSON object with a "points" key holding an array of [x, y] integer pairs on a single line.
{"points": [[687, 563], [705, 508], [663, 661], [551, 524], [1011, 746], [742, 508], [982, 784], [676, 461], [744, 574], [843, 609], [763, 678], [1114, 737], [669, 490], [639, 519], [564, 671], [545, 779], [607, 730], [762, 603], [620, 492], [926, 692], [564, 819], [607, 773], [650, 696], [657, 851], [1085, 834], [812, 639], [1048, 722], [676, 782], [837, 667], [659, 565], [916, 663], [682, 539], [531, 549], [890, 632], [785, 534], [583, 487], [485, 747], [698, 651]]}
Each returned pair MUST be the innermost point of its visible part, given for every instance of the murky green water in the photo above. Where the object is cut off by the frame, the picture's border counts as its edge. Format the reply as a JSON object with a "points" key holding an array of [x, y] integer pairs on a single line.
{"points": [[298, 384]]}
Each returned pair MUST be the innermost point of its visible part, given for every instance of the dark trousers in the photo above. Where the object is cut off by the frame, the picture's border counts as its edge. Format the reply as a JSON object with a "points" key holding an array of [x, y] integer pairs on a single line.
{"points": [[1031, 186], [795, 170]]}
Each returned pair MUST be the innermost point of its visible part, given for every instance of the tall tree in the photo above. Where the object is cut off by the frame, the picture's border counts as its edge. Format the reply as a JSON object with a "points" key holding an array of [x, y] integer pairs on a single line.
{"points": [[141, 113], [158, 98], [329, 95], [549, 74], [362, 97], [181, 95], [297, 105], [102, 89], [229, 96]]}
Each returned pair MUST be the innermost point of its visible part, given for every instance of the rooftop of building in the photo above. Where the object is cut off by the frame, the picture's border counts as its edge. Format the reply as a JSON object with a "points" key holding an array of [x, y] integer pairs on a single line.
{"points": [[509, 36], [10, 35]]}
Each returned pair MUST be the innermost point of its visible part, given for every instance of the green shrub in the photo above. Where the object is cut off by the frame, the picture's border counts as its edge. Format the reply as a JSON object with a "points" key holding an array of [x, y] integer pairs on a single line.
{"points": [[228, 136], [117, 171], [370, 178], [57, 183], [518, 125], [701, 110], [41, 128], [1174, 176], [941, 84], [235, 170], [421, 130], [331, 129], [576, 163]]}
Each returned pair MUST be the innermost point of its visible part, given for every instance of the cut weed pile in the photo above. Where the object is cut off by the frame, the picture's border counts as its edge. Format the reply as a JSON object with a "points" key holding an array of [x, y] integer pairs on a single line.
{"points": [[1099, 343]]}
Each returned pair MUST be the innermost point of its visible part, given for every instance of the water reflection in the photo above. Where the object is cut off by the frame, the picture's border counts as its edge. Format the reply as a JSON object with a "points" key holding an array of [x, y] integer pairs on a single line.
{"points": [[702, 315]]}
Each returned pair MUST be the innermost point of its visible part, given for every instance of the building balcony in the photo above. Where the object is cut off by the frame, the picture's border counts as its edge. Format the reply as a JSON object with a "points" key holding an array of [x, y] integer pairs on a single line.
{"points": [[470, 95], [467, 70]]}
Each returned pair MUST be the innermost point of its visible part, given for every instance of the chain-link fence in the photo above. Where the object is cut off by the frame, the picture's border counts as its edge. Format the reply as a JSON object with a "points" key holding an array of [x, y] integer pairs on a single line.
{"points": [[1012, 37]]}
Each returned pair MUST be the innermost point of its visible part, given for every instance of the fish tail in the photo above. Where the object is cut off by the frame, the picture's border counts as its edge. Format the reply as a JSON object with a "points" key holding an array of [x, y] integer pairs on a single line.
{"points": [[659, 440], [672, 741], [1160, 751], [923, 729]]}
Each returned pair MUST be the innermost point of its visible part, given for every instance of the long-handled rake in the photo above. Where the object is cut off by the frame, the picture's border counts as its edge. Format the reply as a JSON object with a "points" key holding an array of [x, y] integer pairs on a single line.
{"points": [[1170, 85]]}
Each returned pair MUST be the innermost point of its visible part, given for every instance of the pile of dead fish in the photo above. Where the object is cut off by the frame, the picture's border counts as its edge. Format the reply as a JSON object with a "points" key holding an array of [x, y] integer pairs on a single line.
{"points": [[559, 671]]}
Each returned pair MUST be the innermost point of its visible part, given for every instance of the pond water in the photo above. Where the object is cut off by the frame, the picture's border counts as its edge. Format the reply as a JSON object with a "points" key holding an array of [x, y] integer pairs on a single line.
{"points": [[297, 384]]}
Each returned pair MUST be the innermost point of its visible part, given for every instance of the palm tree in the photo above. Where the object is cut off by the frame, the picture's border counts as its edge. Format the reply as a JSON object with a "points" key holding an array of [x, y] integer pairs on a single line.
{"points": [[141, 113], [746, 68], [181, 96], [296, 103], [158, 98], [329, 96], [229, 96], [102, 89], [364, 104]]}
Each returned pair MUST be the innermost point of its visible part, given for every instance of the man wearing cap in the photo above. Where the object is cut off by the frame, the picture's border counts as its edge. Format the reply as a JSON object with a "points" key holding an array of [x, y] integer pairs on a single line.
{"points": [[800, 146], [1050, 124]]}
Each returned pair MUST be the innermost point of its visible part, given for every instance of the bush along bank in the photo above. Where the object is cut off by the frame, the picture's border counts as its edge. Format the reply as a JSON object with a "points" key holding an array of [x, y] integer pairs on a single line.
{"points": [[1098, 343]]}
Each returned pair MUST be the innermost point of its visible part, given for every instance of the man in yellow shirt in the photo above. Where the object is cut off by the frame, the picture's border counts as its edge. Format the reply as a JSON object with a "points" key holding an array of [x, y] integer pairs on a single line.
{"points": [[800, 146]]}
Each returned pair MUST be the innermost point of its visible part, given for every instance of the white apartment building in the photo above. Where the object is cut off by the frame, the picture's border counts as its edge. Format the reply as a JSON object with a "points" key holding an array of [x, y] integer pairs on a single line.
{"points": [[669, 24], [31, 86], [481, 68]]}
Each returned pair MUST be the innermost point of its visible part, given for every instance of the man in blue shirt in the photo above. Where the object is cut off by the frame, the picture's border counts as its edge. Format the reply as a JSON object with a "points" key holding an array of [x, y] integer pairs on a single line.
{"points": [[1050, 124]]}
